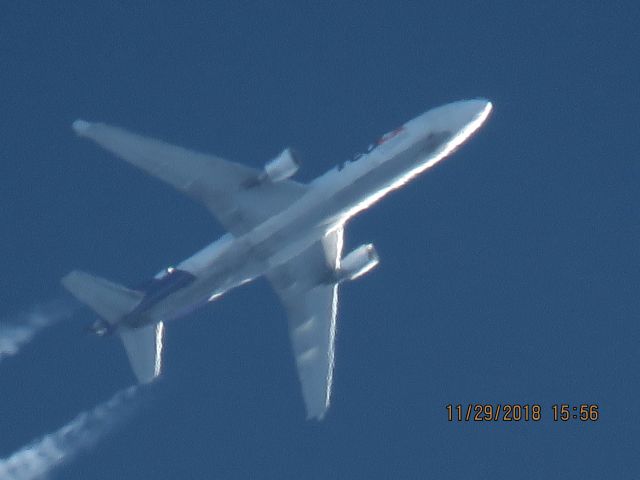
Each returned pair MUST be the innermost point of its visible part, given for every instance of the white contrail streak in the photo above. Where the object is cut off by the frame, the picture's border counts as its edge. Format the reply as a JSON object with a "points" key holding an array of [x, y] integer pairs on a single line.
{"points": [[38, 459], [18, 330]]}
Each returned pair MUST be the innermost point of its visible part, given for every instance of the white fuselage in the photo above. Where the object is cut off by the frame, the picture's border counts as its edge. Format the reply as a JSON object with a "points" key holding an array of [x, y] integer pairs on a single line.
{"points": [[330, 201]]}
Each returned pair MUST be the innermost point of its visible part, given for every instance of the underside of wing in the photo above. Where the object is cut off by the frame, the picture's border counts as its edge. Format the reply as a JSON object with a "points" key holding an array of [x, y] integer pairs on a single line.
{"points": [[310, 296], [229, 190]]}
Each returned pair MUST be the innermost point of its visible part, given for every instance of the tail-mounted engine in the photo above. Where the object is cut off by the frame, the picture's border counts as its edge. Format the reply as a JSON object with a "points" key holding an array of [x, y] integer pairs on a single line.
{"points": [[357, 263], [282, 167], [101, 328]]}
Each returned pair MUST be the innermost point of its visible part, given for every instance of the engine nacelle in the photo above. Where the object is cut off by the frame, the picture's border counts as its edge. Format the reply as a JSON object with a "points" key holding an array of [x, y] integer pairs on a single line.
{"points": [[282, 167], [358, 262]]}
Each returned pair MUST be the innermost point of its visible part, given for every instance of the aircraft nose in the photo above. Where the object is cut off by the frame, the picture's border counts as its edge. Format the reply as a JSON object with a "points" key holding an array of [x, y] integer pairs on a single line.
{"points": [[476, 107], [460, 119], [466, 114]]}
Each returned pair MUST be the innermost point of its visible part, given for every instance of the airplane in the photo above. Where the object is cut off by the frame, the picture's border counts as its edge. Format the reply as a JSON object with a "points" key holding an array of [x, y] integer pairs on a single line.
{"points": [[290, 232]]}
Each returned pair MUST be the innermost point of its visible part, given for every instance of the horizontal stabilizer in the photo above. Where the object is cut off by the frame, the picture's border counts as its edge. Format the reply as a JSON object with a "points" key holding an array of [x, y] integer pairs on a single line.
{"points": [[144, 349], [112, 302], [109, 300]]}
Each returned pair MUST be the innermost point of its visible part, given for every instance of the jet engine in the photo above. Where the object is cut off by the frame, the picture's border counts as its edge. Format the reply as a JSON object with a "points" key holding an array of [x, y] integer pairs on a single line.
{"points": [[358, 262], [282, 167]]}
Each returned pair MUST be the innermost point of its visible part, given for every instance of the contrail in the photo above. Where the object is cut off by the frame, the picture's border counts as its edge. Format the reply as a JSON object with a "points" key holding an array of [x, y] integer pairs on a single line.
{"points": [[18, 330], [38, 459]]}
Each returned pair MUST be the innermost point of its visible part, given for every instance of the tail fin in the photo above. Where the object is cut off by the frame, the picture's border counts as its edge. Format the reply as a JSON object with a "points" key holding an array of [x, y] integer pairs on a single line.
{"points": [[112, 302]]}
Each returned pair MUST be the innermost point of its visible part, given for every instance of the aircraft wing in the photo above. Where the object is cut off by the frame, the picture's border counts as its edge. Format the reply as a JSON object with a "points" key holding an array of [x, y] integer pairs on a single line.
{"points": [[310, 298], [229, 190]]}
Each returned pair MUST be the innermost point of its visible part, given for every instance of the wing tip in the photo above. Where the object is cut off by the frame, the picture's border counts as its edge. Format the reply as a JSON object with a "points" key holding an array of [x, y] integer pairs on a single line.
{"points": [[71, 279], [80, 127], [316, 412]]}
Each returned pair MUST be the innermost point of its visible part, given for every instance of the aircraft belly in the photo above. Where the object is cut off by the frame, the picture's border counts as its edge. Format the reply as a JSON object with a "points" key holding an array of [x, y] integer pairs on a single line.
{"points": [[286, 235], [231, 269], [333, 203], [368, 188]]}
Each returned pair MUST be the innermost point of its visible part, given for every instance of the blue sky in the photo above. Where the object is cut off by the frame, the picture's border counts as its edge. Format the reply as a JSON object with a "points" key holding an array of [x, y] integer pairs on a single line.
{"points": [[509, 273]]}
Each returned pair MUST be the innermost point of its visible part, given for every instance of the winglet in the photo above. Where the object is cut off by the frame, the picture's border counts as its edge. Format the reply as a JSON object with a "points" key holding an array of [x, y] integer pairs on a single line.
{"points": [[80, 127]]}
